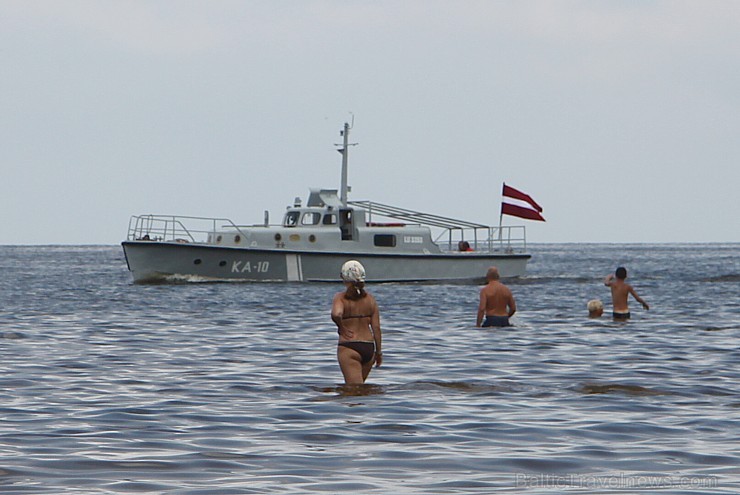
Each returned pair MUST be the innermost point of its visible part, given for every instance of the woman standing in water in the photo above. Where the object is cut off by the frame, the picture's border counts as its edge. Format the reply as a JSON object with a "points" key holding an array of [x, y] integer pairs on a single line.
{"points": [[356, 315]]}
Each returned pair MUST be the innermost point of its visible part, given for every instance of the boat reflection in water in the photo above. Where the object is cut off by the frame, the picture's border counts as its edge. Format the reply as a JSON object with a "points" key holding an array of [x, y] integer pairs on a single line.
{"points": [[314, 240]]}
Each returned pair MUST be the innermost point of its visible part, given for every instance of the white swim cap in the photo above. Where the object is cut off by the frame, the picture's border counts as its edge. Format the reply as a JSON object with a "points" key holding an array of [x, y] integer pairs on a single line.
{"points": [[594, 305], [353, 271]]}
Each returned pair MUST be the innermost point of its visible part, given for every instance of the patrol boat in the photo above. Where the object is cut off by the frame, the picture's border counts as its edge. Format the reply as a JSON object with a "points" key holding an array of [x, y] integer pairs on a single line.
{"points": [[314, 240]]}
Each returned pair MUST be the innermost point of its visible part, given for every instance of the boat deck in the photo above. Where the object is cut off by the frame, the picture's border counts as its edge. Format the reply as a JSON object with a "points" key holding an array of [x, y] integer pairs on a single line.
{"points": [[482, 237], [447, 232]]}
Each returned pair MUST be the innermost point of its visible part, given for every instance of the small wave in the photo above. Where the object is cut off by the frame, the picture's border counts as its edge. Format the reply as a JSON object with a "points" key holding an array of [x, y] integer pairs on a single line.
{"points": [[180, 279], [543, 280], [177, 278], [139, 487], [719, 329]]}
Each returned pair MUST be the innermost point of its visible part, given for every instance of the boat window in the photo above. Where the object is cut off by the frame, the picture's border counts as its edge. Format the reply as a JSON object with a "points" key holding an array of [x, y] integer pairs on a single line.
{"points": [[385, 240], [291, 218], [311, 218], [346, 224], [330, 219]]}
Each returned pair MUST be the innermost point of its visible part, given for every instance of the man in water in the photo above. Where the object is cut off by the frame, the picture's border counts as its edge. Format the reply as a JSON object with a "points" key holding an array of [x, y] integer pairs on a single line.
{"points": [[620, 291], [496, 302], [595, 308]]}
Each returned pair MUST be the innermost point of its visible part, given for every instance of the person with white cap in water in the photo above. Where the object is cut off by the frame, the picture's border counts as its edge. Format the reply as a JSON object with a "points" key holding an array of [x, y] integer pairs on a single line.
{"points": [[355, 312], [595, 308]]}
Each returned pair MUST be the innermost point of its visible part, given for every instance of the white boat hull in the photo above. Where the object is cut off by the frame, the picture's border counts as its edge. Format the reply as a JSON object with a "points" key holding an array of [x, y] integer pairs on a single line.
{"points": [[314, 240], [151, 262]]}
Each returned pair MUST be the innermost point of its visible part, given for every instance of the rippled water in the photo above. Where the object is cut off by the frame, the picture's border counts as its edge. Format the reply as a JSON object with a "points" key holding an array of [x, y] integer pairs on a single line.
{"points": [[109, 387]]}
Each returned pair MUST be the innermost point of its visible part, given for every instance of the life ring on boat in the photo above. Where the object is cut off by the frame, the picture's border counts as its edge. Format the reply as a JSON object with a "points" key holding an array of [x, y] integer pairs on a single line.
{"points": [[381, 224]]}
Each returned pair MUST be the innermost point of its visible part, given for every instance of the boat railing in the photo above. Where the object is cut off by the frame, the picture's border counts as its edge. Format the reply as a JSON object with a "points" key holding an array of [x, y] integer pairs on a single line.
{"points": [[480, 237], [171, 228], [509, 240]]}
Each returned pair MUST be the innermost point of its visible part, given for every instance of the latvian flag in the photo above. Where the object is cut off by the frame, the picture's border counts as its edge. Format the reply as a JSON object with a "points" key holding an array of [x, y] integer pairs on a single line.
{"points": [[519, 204]]}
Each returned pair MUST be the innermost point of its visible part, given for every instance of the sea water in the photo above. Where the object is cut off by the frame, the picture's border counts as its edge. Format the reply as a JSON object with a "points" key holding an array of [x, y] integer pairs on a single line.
{"points": [[110, 387]]}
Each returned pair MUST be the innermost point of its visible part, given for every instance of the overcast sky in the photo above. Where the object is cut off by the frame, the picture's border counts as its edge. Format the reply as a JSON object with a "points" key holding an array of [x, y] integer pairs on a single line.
{"points": [[620, 118]]}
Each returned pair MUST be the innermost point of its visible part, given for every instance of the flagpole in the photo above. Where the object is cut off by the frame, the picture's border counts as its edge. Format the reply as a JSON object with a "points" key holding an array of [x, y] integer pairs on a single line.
{"points": [[500, 230], [501, 219]]}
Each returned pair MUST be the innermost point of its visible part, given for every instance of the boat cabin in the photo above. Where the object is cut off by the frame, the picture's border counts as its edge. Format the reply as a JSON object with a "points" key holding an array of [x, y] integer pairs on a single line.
{"points": [[324, 209], [325, 224]]}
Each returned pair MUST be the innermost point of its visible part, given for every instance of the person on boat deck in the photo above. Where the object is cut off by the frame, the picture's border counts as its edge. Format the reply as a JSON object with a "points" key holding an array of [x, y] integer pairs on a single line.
{"points": [[620, 292], [464, 246], [357, 317], [595, 308], [497, 302]]}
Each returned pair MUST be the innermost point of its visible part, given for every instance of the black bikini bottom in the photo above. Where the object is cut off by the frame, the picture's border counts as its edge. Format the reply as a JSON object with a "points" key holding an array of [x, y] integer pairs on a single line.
{"points": [[496, 321], [366, 350]]}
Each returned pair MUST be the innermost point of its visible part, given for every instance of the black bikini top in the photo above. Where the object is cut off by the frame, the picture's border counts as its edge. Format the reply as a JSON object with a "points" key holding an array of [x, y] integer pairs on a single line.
{"points": [[355, 316], [347, 317]]}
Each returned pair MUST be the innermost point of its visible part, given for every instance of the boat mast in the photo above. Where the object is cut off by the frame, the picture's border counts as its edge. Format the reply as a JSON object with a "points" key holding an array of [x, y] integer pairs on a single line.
{"points": [[344, 151]]}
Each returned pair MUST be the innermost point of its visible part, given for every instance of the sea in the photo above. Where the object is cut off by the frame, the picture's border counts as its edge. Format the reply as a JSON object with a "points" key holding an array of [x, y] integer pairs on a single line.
{"points": [[107, 387]]}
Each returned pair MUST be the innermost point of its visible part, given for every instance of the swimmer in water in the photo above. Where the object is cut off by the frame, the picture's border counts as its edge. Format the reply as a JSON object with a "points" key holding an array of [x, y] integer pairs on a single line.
{"points": [[497, 302], [595, 308], [356, 315], [620, 292]]}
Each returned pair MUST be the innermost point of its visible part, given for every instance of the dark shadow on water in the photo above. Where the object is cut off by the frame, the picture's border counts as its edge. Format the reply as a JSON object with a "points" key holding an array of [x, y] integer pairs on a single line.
{"points": [[732, 277], [345, 390], [608, 388], [365, 390], [467, 387]]}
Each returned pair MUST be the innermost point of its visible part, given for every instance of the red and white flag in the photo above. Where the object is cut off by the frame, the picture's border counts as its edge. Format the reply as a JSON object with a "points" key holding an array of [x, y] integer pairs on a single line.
{"points": [[519, 204]]}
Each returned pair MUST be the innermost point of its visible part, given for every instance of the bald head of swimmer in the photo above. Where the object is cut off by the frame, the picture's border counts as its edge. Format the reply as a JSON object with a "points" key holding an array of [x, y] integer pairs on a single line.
{"points": [[492, 274]]}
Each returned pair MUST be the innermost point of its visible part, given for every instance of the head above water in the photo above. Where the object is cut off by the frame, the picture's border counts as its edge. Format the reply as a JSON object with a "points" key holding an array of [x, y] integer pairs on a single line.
{"points": [[353, 272], [621, 273], [595, 307], [492, 274]]}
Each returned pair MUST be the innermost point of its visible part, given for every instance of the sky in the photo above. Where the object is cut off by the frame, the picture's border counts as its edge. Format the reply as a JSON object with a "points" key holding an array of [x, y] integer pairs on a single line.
{"points": [[620, 118]]}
